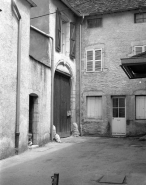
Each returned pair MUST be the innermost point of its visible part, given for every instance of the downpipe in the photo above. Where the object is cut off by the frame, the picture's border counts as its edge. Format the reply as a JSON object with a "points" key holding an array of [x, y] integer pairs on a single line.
{"points": [[17, 132], [52, 90]]}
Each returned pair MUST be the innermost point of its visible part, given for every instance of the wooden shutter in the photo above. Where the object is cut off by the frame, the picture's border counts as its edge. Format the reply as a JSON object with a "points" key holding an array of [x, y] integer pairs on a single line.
{"points": [[90, 61], [98, 60], [72, 40], [140, 107], [58, 31], [94, 107]]}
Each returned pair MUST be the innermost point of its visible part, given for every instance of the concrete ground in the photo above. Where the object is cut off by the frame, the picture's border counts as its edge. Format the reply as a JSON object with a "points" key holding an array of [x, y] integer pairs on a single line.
{"points": [[79, 161]]}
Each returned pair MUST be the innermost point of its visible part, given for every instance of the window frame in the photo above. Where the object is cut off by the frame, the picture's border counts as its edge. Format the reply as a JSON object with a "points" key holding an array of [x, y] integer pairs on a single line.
{"points": [[94, 71], [94, 117], [135, 19], [143, 49], [135, 107], [95, 25]]}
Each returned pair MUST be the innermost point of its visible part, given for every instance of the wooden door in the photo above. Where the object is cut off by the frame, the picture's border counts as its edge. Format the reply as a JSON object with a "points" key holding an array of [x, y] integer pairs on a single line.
{"points": [[62, 118], [119, 117]]}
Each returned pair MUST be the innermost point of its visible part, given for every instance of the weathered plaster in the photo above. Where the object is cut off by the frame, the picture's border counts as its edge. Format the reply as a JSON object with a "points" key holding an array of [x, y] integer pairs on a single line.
{"points": [[116, 37]]}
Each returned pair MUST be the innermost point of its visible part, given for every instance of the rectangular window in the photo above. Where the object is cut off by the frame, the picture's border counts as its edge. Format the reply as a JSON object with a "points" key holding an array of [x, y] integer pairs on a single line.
{"points": [[140, 107], [94, 60], [94, 107], [118, 107], [140, 17], [95, 22], [139, 49]]}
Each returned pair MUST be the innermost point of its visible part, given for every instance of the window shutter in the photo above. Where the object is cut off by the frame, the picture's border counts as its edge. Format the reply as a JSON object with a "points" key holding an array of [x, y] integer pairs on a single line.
{"points": [[144, 48], [58, 31], [89, 55], [98, 60], [140, 107], [72, 40], [138, 49]]}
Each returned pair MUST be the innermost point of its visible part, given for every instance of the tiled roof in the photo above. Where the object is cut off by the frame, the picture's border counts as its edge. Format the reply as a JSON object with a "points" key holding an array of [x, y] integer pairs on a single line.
{"points": [[86, 7]]}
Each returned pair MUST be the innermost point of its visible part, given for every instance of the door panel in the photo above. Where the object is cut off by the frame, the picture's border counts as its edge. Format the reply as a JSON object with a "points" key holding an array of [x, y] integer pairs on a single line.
{"points": [[119, 118], [62, 104]]}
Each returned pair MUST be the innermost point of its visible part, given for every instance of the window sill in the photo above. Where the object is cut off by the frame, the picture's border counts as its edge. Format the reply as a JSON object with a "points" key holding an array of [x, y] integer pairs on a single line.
{"points": [[96, 72], [93, 119]]}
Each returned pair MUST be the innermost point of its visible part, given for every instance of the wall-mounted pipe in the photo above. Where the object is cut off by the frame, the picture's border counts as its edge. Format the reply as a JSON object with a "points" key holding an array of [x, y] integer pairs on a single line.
{"points": [[52, 90], [80, 129], [17, 132], [80, 75]]}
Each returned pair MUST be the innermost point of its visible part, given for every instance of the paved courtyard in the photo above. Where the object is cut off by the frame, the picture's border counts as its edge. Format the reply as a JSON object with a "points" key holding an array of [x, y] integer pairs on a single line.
{"points": [[79, 161]]}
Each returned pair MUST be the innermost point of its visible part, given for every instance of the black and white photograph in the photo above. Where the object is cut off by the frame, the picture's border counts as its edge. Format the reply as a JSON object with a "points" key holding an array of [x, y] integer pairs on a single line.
{"points": [[73, 92]]}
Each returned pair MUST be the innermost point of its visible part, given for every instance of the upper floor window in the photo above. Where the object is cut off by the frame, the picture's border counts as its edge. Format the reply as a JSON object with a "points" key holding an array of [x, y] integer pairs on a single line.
{"points": [[65, 32], [94, 60], [94, 22], [140, 17], [139, 49]]}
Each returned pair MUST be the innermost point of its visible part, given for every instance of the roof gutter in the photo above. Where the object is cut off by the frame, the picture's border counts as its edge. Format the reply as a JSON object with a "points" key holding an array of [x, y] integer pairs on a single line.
{"points": [[17, 132]]}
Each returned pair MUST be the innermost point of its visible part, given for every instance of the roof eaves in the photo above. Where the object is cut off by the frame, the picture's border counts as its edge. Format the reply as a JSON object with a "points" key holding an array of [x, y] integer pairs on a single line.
{"points": [[116, 11], [68, 5], [32, 4]]}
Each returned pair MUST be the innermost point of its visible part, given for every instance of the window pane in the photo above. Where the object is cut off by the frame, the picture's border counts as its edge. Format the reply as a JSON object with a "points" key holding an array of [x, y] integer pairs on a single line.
{"points": [[94, 107], [89, 55], [97, 54], [139, 16], [121, 112], [115, 102], [139, 20], [138, 49], [97, 65], [92, 23], [89, 66], [121, 102], [115, 112]]}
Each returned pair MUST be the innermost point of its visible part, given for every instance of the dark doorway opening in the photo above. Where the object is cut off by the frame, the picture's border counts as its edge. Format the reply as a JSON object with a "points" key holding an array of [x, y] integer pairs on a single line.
{"points": [[33, 119]]}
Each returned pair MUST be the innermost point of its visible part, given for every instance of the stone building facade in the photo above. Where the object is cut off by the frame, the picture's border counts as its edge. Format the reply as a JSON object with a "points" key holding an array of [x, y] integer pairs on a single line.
{"points": [[31, 69], [59, 23], [111, 103]]}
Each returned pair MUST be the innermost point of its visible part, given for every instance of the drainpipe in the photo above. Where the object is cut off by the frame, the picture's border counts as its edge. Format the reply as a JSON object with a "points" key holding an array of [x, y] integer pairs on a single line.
{"points": [[17, 133], [80, 81], [52, 90], [80, 75]]}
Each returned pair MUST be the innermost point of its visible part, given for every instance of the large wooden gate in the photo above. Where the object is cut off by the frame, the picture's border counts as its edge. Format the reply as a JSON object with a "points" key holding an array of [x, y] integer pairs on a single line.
{"points": [[62, 117]]}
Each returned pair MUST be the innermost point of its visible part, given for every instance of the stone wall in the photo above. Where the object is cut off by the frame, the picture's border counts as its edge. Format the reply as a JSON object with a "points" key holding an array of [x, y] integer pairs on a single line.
{"points": [[117, 37]]}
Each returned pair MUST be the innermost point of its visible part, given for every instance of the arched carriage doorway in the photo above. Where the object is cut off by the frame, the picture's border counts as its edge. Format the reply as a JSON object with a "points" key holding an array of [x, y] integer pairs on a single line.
{"points": [[62, 97]]}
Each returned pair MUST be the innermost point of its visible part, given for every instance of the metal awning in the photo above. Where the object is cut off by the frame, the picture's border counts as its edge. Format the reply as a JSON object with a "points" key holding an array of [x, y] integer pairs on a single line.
{"points": [[135, 67]]}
